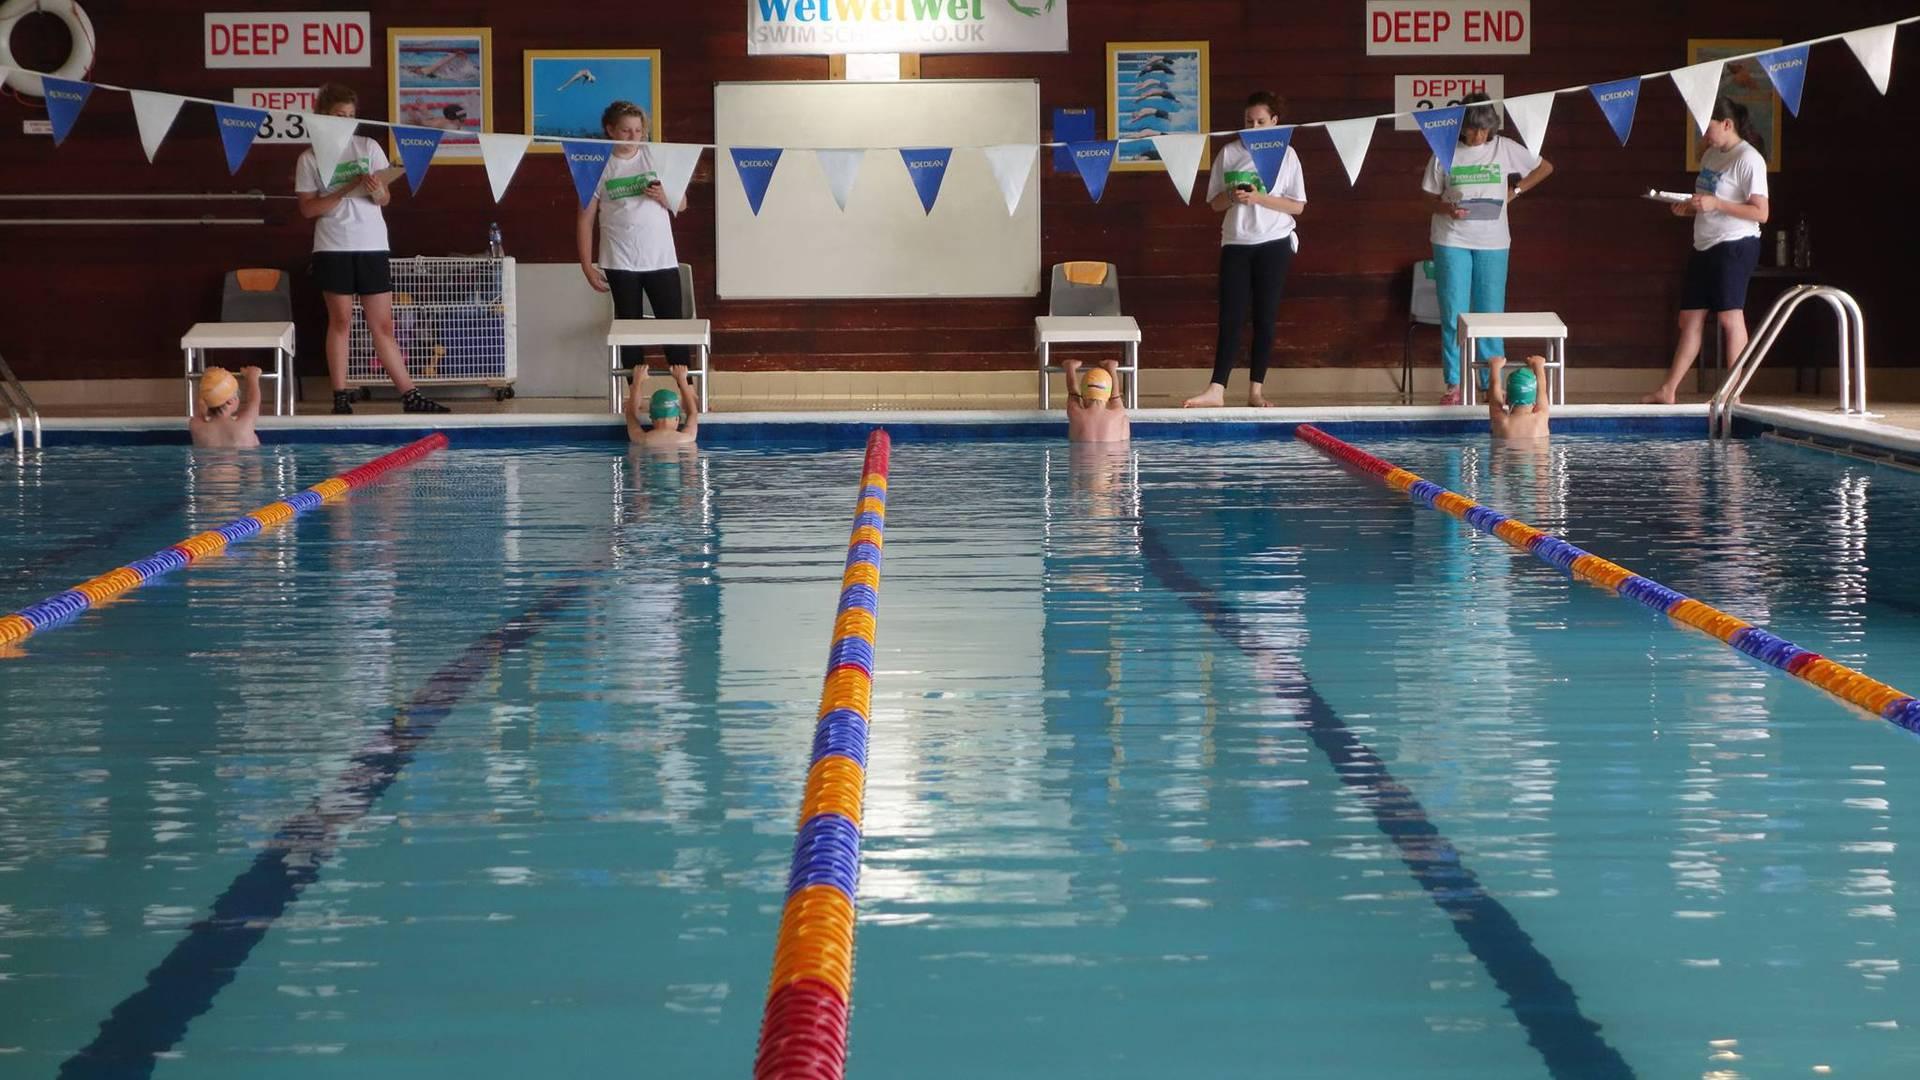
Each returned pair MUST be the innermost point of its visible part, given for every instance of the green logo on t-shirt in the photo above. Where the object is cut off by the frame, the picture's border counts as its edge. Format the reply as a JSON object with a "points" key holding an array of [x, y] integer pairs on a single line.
{"points": [[350, 170], [630, 187], [1246, 179], [1468, 175]]}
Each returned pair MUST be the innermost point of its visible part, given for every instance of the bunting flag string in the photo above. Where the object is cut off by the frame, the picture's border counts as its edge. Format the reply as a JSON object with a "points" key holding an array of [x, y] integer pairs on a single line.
{"points": [[1699, 87], [238, 125], [1181, 155], [1011, 164], [417, 147], [1618, 100], [154, 115]]}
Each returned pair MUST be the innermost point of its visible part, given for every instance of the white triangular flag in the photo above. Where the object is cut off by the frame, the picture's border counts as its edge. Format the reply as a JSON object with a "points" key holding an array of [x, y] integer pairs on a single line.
{"points": [[154, 114], [1011, 165], [1181, 154], [501, 154], [330, 137], [1351, 138], [4, 74], [1530, 113], [675, 163], [1873, 47], [840, 166], [1699, 85]]}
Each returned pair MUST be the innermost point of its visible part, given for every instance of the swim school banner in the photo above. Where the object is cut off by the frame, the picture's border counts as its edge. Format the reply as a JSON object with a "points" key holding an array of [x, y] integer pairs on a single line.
{"points": [[828, 27]]}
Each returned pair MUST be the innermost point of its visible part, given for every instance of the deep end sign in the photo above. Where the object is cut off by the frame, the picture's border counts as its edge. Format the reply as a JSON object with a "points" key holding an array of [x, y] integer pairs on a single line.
{"points": [[288, 39], [1449, 27]]}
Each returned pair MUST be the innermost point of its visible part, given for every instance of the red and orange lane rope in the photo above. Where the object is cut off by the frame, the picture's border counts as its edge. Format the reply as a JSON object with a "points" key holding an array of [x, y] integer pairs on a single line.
{"points": [[1835, 678], [93, 592], [803, 1033]]}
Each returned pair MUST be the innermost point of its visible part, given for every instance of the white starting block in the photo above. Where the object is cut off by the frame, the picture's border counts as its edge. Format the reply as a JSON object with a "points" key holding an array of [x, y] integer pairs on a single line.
{"points": [[1051, 330], [277, 336], [1524, 325], [694, 333]]}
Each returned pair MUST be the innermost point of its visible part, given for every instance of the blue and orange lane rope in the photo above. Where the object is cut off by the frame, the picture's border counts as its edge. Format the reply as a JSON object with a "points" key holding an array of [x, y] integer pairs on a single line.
{"points": [[1843, 682], [803, 1033], [94, 592]]}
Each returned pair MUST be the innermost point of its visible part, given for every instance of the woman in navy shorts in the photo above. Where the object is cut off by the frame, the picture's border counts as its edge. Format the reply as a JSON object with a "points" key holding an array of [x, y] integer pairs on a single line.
{"points": [[1728, 207]]}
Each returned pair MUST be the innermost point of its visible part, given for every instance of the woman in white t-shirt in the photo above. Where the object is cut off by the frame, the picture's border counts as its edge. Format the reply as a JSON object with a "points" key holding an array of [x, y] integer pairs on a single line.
{"points": [[1469, 231], [1728, 207], [1257, 242], [638, 262], [350, 252]]}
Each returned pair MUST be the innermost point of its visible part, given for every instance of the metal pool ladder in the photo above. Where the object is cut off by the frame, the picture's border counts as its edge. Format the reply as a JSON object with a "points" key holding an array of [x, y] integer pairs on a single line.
{"points": [[1853, 355], [20, 408]]}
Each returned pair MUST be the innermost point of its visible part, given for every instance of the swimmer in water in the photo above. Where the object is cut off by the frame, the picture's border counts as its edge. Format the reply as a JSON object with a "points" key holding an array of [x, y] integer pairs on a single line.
{"points": [[1151, 94], [453, 65], [1149, 114], [1159, 65], [226, 418], [676, 422], [1094, 413], [1516, 410]]}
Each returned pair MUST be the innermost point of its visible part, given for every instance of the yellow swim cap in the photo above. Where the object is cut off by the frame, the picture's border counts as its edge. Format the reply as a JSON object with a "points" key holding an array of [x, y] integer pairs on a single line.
{"points": [[1096, 385], [217, 387]]}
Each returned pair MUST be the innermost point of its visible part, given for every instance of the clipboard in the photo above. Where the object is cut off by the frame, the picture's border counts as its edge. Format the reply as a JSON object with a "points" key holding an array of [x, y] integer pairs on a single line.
{"points": [[1672, 198], [1482, 209], [387, 176]]}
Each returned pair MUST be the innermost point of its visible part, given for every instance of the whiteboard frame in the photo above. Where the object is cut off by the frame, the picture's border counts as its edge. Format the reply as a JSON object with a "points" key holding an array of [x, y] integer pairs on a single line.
{"points": [[730, 197]]}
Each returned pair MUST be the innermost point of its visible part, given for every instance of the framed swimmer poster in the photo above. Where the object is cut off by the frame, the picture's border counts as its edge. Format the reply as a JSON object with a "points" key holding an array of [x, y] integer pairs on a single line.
{"points": [[1154, 88], [1744, 82], [442, 77], [568, 89]]}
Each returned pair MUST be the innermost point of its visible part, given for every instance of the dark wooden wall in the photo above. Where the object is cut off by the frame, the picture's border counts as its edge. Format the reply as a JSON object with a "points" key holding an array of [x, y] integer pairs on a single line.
{"points": [[97, 301]]}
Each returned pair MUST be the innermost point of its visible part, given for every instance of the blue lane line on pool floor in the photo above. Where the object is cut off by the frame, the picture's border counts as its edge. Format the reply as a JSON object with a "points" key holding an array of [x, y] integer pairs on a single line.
{"points": [[1570, 1043], [154, 1018]]}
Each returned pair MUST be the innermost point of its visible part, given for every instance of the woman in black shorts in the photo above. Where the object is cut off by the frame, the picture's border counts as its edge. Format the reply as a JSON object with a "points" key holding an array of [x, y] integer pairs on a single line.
{"points": [[1728, 207], [350, 252]]}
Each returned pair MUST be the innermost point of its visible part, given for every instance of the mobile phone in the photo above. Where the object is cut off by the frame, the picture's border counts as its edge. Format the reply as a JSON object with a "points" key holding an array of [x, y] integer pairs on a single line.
{"points": [[1243, 187]]}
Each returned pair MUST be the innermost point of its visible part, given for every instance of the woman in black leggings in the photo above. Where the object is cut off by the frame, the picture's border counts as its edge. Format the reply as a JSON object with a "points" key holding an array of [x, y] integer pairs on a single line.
{"points": [[1257, 242]]}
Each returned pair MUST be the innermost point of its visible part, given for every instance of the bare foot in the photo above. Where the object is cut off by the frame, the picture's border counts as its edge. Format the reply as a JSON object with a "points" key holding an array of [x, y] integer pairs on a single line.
{"points": [[1658, 397], [1213, 397], [1258, 402]]}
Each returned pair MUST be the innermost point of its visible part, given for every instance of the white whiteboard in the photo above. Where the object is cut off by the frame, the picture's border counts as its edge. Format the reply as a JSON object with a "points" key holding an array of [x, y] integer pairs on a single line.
{"points": [[884, 245]]}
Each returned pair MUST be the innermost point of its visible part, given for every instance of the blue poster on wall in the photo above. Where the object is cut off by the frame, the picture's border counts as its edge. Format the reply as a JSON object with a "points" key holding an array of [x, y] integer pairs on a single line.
{"points": [[1070, 126], [755, 166]]}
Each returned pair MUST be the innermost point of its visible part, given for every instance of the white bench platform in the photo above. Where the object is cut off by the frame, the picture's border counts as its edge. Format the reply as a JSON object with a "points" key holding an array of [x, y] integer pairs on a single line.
{"points": [[692, 333], [1522, 325], [277, 336], [1122, 330]]}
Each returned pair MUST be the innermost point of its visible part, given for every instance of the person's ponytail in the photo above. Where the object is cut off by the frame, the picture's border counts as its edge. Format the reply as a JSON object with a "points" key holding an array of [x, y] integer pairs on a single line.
{"points": [[1742, 117]]}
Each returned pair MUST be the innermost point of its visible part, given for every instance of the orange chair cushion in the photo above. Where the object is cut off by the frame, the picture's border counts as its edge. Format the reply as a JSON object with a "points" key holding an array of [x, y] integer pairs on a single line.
{"points": [[257, 280], [1086, 273]]}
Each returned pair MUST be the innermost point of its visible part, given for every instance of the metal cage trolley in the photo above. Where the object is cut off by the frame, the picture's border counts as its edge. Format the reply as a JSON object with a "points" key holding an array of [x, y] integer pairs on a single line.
{"points": [[455, 320]]}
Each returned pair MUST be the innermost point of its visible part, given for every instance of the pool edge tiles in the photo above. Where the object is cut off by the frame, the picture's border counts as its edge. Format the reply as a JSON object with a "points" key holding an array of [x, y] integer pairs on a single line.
{"points": [[851, 428]]}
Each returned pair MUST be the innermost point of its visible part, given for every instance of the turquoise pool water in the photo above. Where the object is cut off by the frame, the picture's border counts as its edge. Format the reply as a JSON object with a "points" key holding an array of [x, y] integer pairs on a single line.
{"points": [[1201, 760]]}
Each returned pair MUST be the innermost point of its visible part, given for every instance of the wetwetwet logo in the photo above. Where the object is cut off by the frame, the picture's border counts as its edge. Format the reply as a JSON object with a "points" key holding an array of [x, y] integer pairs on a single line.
{"points": [[1031, 11]]}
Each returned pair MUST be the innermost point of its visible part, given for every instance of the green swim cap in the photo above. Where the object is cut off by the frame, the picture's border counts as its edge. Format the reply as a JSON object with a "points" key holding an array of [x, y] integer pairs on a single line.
{"points": [[1522, 387], [665, 405]]}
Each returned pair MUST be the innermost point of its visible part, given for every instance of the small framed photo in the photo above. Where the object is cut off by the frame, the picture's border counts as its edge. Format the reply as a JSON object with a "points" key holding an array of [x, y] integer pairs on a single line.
{"points": [[568, 89], [442, 77], [1744, 82], [1154, 88]]}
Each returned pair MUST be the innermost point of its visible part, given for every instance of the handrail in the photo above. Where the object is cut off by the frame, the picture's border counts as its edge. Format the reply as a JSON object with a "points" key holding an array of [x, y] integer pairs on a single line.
{"points": [[19, 403], [1852, 327]]}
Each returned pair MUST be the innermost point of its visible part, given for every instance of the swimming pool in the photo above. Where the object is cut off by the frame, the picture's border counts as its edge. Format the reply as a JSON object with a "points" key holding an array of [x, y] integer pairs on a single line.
{"points": [[1146, 729]]}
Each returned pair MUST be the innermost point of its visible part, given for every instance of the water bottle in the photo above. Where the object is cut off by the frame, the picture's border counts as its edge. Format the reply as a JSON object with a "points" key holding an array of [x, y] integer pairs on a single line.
{"points": [[1802, 245], [494, 248], [1780, 256]]}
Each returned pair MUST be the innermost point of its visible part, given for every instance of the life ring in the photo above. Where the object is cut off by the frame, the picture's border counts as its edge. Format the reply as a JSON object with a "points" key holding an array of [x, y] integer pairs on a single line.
{"points": [[79, 61]]}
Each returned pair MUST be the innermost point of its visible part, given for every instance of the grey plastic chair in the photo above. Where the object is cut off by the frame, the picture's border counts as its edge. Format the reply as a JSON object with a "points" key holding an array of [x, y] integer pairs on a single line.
{"points": [[1083, 315], [256, 313]]}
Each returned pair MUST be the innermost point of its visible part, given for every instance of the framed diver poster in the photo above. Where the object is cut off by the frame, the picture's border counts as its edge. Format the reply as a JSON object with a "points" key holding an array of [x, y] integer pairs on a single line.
{"points": [[1154, 88], [442, 78], [1744, 82], [568, 89]]}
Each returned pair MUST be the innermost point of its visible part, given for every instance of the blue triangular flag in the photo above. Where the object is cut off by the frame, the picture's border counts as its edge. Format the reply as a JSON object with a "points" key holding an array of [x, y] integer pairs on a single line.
{"points": [[1618, 99], [64, 99], [417, 147], [928, 167], [1095, 161], [1441, 127], [755, 166], [238, 126], [586, 161], [1788, 69], [1268, 147]]}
